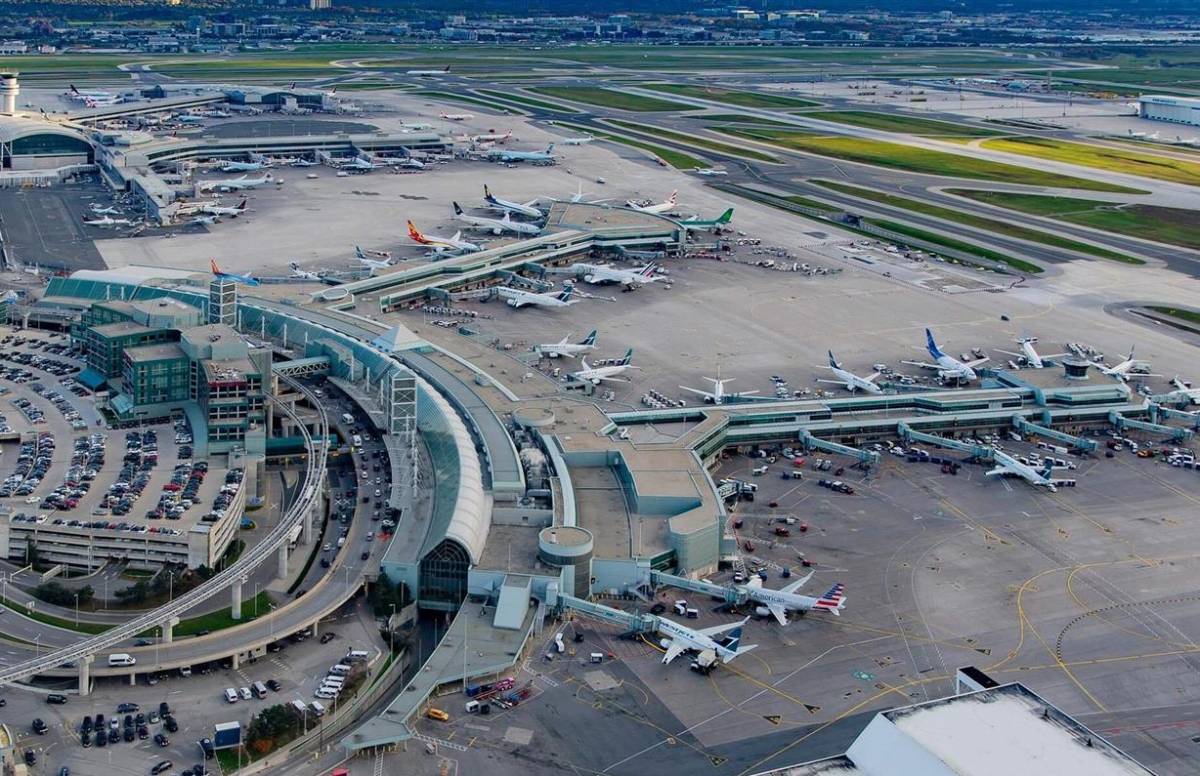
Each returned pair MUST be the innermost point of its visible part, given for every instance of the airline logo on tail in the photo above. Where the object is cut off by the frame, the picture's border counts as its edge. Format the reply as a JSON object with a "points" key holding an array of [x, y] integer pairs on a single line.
{"points": [[589, 339], [565, 294], [833, 599], [735, 638], [833, 361], [726, 217], [931, 346], [458, 211], [648, 270], [415, 234], [626, 359], [671, 200]]}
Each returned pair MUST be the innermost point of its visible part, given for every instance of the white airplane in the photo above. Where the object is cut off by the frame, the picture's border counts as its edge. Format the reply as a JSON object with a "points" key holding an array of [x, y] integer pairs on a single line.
{"points": [[370, 263], [94, 99], [1184, 392], [518, 297], [851, 381], [105, 211], [219, 210], [537, 157], [598, 374], [599, 274], [948, 367], [565, 349], [244, 166], [442, 244], [1127, 368], [107, 221], [508, 206], [359, 163], [1006, 464], [718, 395], [457, 116], [1033, 359], [680, 638], [367, 253], [710, 172], [496, 225], [305, 163], [302, 274], [491, 137], [205, 220], [234, 184], [779, 602], [428, 72], [657, 207], [576, 141]]}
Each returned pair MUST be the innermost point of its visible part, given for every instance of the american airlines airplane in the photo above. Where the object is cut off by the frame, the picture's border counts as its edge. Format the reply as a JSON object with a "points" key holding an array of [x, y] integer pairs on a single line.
{"points": [[598, 374], [496, 225], [1183, 393], [851, 381], [107, 221], [508, 206], [599, 274], [778, 603], [518, 297], [680, 639], [658, 207], [948, 367], [441, 245], [565, 349]]}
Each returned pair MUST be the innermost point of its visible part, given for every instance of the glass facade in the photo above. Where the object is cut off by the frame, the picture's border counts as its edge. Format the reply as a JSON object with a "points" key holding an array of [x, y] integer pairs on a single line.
{"points": [[157, 381], [444, 575]]}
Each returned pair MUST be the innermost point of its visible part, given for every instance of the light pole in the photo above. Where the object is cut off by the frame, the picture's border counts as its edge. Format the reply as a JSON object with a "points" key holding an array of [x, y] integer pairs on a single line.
{"points": [[77, 610], [392, 633], [37, 646]]}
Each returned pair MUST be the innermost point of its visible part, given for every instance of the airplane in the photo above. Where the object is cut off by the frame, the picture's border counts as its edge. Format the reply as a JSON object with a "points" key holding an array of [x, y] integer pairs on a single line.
{"points": [[575, 141], [366, 253], [779, 602], [718, 395], [709, 172], [244, 166], [367, 261], [234, 184], [205, 220], [682, 638], [94, 99], [507, 206], [597, 374], [699, 224], [246, 280], [852, 381], [428, 72], [442, 244], [359, 163], [1130, 366], [107, 221], [188, 118], [105, 211], [457, 116], [948, 367], [302, 274], [659, 207], [305, 163], [518, 298], [218, 210], [1183, 393], [491, 137], [504, 155], [565, 349], [1006, 464], [1032, 358], [578, 195], [599, 274], [494, 225]]}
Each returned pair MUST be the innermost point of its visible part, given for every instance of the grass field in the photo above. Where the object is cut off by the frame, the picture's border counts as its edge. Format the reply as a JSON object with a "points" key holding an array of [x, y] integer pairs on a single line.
{"points": [[50, 619], [608, 98], [734, 118], [252, 608], [958, 245], [979, 222], [1176, 226], [697, 141], [679, 161], [1191, 316], [468, 99], [526, 101], [732, 97], [898, 156], [894, 122], [1101, 157]]}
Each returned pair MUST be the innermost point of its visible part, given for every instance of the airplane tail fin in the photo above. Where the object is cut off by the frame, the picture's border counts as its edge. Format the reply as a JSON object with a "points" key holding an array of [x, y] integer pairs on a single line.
{"points": [[590, 339], [566, 293], [671, 200], [73, 89], [446, 69], [458, 211], [735, 639], [550, 148], [215, 269], [931, 346], [627, 359], [833, 361], [487, 193], [648, 270], [413, 232], [293, 265], [242, 204], [1046, 470], [833, 599], [726, 217], [359, 252]]}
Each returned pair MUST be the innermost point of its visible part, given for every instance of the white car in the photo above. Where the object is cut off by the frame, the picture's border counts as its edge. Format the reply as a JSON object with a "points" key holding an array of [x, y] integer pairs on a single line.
{"points": [[325, 694], [231, 695], [244, 692]]}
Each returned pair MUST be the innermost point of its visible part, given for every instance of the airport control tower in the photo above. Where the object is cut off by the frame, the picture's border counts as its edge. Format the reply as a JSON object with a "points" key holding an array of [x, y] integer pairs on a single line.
{"points": [[9, 89]]}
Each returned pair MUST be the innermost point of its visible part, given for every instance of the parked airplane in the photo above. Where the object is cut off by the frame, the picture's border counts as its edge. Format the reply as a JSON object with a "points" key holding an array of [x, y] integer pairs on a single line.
{"points": [[442, 244], [219, 210], [508, 206], [948, 367], [575, 141], [1006, 464], [779, 602], [681, 638], [695, 224], [1183, 393], [718, 395], [491, 137], [366, 253], [302, 274], [519, 297], [305, 163], [246, 280], [443, 71], [370, 263], [598, 374], [105, 211], [107, 221], [234, 184], [457, 116], [709, 172], [1127, 368], [851, 381], [565, 349], [1033, 359], [657, 207], [599, 274], [94, 99], [205, 220], [254, 166], [496, 225], [505, 155]]}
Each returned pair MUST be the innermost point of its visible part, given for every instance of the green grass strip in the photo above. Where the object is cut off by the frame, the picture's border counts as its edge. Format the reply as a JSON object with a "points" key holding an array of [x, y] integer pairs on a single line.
{"points": [[679, 161], [894, 122], [1105, 158], [58, 622], [979, 222], [610, 98], [1191, 316], [958, 245], [453, 97], [697, 141], [731, 97], [528, 102], [222, 619]]}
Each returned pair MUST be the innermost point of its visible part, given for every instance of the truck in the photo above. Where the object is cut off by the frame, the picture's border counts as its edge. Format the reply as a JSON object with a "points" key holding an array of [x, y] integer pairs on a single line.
{"points": [[705, 662], [347, 418]]}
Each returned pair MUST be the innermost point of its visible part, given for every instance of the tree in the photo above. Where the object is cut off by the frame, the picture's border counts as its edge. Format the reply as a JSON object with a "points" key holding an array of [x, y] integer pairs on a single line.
{"points": [[273, 727]]}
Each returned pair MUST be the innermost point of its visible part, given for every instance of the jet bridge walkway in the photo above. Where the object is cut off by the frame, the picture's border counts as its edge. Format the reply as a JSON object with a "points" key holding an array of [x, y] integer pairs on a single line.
{"points": [[811, 442], [644, 623], [1160, 412], [728, 594], [1175, 433], [909, 434], [1029, 428]]}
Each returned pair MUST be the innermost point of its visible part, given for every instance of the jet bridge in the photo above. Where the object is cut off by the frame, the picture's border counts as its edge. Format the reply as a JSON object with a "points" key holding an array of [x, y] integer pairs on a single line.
{"points": [[643, 623], [1029, 428], [1162, 412], [729, 594], [910, 434], [809, 441], [1176, 433]]}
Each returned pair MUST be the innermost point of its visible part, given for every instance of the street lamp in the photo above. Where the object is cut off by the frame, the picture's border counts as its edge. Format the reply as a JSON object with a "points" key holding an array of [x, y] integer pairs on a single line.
{"points": [[392, 632], [77, 610]]}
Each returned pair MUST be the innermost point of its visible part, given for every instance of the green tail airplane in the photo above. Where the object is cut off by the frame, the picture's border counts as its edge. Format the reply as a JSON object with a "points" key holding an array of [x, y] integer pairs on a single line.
{"points": [[714, 223]]}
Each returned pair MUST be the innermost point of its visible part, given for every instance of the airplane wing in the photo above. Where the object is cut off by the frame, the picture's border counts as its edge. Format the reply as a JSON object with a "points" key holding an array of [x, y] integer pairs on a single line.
{"points": [[998, 470], [697, 391], [831, 382], [779, 612], [978, 361], [1010, 353], [675, 650], [717, 630], [923, 364], [871, 377], [799, 583]]}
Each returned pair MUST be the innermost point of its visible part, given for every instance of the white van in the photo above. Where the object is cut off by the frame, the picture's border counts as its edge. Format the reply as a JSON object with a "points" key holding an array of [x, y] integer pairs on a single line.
{"points": [[325, 694], [318, 708], [231, 695], [341, 542], [472, 707], [356, 656], [341, 669], [259, 689], [121, 659], [300, 708], [333, 681]]}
